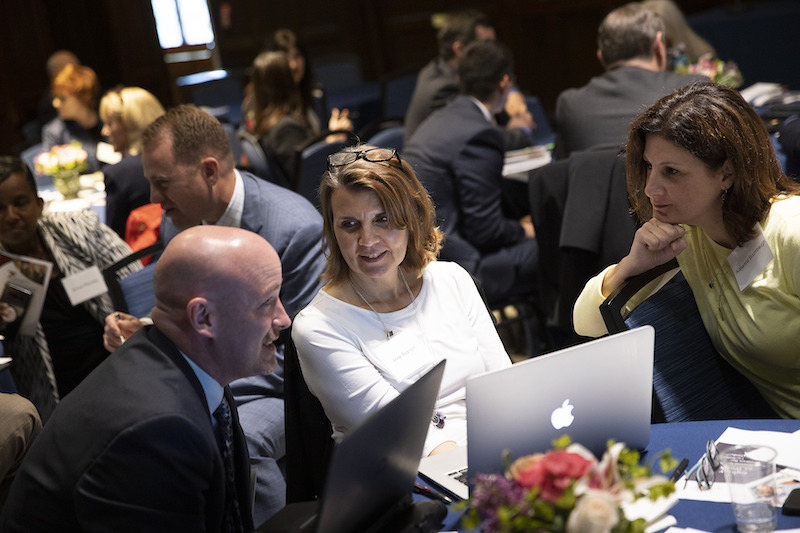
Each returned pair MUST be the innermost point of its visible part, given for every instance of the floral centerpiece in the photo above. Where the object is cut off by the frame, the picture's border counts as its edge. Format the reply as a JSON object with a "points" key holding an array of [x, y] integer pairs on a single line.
{"points": [[721, 72], [65, 163], [567, 490]]}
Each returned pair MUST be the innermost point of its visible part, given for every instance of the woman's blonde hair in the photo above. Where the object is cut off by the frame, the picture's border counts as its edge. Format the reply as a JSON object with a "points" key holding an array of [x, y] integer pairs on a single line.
{"points": [[136, 108], [406, 202]]}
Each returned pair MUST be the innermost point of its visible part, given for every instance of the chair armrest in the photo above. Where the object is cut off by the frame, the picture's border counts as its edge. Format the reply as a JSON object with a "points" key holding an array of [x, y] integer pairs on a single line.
{"points": [[611, 308]]}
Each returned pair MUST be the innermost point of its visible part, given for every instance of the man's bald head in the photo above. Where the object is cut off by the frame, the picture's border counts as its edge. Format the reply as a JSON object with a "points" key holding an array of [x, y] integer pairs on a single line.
{"points": [[216, 291]]}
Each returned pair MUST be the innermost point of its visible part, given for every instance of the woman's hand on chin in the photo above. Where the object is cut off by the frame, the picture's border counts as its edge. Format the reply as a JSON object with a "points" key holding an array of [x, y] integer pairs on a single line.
{"points": [[654, 244]]}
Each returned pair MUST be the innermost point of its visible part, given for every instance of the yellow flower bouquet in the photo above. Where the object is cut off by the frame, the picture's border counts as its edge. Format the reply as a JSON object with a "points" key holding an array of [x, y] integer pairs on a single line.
{"points": [[65, 163]]}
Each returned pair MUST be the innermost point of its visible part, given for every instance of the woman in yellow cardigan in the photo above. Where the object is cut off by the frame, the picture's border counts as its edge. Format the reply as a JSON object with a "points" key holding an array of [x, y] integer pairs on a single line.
{"points": [[703, 177]]}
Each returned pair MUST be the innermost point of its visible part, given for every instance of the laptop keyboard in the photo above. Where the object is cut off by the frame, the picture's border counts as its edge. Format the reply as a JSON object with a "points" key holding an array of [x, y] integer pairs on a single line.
{"points": [[460, 476]]}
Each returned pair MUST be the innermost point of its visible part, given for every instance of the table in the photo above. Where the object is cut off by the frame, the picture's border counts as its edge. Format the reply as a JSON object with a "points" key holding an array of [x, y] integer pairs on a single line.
{"points": [[688, 439]]}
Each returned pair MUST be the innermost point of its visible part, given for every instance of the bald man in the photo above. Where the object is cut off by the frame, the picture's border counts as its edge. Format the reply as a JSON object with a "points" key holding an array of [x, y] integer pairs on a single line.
{"points": [[188, 161], [135, 447]]}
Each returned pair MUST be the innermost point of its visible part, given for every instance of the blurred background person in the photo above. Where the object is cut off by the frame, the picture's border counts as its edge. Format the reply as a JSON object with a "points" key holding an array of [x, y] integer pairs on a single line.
{"points": [[281, 118], [437, 82], [680, 39], [285, 40], [76, 90], [125, 113], [458, 154], [631, 48], [386, 295], [45, 112]]}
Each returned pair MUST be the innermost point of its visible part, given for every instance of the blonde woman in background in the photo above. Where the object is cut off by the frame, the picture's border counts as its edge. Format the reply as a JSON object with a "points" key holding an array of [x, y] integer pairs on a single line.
{"points": [[126, 113]]}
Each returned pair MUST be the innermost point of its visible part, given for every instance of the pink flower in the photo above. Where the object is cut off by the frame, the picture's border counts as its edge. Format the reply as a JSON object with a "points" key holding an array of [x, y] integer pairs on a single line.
{"points": [[552, 472]]}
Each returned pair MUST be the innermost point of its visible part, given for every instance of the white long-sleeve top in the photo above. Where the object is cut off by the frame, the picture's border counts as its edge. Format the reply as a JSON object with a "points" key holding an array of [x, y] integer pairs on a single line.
{"points": [[353, 369]]}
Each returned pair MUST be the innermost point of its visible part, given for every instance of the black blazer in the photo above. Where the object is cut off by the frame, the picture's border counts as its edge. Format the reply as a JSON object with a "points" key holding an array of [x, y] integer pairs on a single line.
{"points": [[126, 189], [132, 448], [458, 156]]}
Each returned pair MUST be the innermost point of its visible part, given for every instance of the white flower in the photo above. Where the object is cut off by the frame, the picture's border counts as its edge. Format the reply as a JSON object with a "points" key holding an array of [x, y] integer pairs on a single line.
{"points": [[595, 512]]}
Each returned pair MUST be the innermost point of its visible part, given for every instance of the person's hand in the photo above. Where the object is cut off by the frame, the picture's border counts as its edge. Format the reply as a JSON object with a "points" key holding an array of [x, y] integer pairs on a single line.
{"points": [[521, 121], [119, 327], [654, 244], [443, 447], [527, 224], [515, 103], [340, 120]]}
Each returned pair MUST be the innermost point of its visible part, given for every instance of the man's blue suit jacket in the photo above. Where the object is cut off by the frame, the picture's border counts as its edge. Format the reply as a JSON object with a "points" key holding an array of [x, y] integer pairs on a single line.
{"points": [[294, 228]]}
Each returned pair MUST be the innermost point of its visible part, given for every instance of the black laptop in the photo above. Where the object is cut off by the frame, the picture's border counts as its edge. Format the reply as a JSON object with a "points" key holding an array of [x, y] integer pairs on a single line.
{"points": [[372, 469]]}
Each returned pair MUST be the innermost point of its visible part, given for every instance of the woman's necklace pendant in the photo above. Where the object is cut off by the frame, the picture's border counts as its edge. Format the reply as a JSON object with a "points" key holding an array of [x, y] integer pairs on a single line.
{"points": [[389, 333]]}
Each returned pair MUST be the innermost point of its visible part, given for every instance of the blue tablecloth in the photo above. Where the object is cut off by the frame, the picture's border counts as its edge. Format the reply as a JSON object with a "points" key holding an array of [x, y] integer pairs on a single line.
{"points": [[688, 439]]}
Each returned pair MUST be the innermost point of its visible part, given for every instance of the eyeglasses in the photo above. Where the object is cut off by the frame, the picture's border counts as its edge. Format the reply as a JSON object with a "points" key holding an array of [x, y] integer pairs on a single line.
{"points": [[706, 469], [373, 155]]}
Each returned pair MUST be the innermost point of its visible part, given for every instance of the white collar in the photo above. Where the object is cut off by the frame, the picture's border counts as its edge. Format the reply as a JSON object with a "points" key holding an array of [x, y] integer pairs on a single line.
{"points": [[232, 217]]}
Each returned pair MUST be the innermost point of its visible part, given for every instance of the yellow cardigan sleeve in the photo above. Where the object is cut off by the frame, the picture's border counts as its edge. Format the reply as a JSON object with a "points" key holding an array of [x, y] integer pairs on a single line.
{"points": [[586, 316]]}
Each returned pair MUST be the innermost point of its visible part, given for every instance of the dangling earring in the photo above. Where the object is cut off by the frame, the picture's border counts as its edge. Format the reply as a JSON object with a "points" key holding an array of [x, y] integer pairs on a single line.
{"points": [[724, 194]]}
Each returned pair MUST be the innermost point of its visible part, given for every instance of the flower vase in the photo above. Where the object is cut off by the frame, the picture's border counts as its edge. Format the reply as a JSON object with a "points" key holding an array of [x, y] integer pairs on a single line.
{"points": [[68, 183]]}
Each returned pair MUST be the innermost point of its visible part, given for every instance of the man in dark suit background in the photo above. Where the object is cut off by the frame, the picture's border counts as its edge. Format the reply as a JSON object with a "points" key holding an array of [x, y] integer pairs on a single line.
{"points": [[437, 82], [187, 158], [458, 154], [138, 446], [630, 46]]}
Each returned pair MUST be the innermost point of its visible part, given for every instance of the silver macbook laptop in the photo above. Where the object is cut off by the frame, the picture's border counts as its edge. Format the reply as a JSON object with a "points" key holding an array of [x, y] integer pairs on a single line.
{"points": [[593, 392], [372, 469]]}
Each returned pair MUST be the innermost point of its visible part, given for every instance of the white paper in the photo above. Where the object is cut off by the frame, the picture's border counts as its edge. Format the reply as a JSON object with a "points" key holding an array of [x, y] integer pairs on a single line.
{"points": [[84, 285], [786, 444], [518, 162]]}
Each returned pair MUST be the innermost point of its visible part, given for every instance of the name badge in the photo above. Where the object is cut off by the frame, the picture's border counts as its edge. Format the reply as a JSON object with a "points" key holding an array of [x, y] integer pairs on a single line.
{"points": [[750, 259], [402, 357], [84, 285]]}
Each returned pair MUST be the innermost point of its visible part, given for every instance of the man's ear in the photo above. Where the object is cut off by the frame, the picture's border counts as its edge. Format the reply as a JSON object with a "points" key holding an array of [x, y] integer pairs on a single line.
{"points": [[210, 169], [505, 83], [199, 312], [659, 52], [458, 49], [600, 58]]}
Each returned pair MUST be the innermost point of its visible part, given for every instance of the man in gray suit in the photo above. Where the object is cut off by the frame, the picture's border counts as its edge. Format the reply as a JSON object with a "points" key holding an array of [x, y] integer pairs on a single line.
{"points": [[631, 48], [187, 158]]}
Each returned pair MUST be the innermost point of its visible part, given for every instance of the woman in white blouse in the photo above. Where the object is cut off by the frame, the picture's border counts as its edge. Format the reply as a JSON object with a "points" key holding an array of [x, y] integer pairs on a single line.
{"points": [[389, 311]]}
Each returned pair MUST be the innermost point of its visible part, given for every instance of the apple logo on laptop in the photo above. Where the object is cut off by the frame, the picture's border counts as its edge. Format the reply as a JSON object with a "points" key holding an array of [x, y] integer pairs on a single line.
{"points": [[562, 416]]}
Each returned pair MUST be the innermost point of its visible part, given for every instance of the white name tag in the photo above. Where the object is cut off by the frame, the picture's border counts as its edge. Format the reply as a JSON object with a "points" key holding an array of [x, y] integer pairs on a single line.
{"points": [[402, 358], [84, 285], [750, 259]]}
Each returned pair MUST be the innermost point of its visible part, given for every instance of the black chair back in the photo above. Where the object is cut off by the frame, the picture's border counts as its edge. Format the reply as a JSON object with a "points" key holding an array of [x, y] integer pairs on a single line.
{"points": [[309, 444], [691, 381]]}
